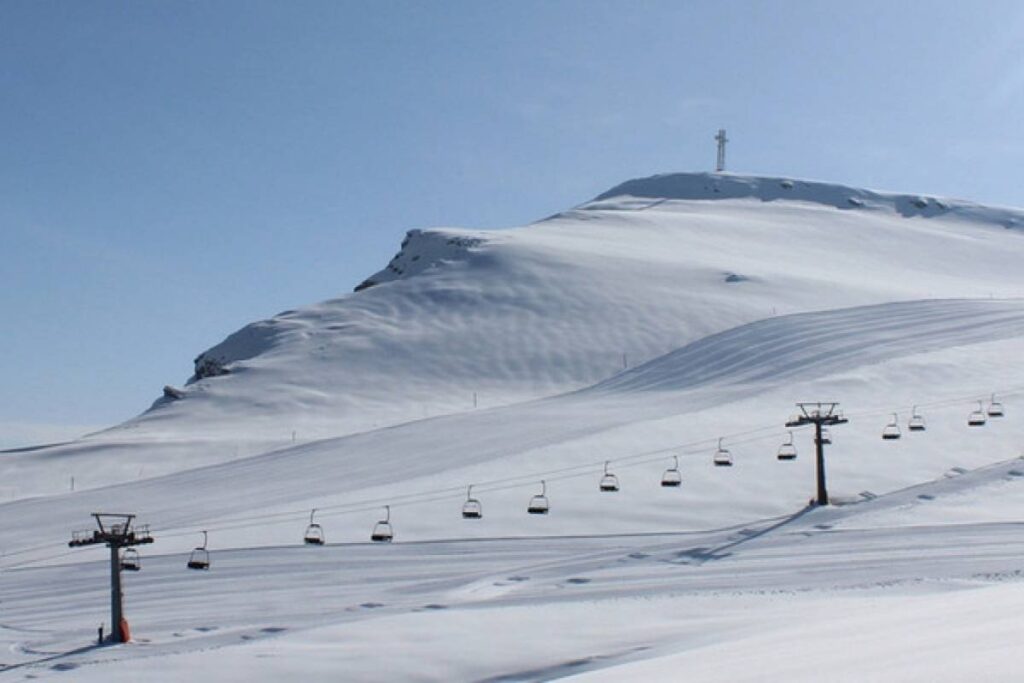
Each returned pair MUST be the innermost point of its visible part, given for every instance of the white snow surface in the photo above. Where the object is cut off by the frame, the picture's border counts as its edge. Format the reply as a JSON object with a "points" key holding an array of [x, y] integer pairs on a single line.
{"points": [[664, 315]]}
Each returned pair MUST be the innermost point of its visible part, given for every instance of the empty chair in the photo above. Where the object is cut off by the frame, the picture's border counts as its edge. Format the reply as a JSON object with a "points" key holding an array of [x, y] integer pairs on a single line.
{"points": [[539, 503], [891, 431], [130, 560], [916, 422], [82, 537], [995, 408], [977, 417], [826, 436], [609, 482], [472, 509], [672, 477], [382, 532], [200, 557], [723, 458], [314, 532], [787, 451]]}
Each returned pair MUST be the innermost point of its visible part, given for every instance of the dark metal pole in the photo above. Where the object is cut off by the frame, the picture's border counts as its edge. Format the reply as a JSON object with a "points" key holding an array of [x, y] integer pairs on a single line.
{"points": [[820, 452], [115, 595]]}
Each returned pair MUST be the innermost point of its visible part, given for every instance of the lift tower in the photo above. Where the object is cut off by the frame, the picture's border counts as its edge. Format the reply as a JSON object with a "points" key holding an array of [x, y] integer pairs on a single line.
{"points": [[117, 531], [820, 415]]}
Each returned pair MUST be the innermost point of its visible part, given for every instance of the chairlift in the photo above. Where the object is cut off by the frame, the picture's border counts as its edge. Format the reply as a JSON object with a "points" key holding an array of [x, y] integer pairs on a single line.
{"points": [[826, 437], [891, 432], [787, 451], [977, 417], [539, 503], [723, 458], [916, 422], [472, 508], [382, 532], [609, 482], [200, 557], [130, 561], [314, 532], [995, 408], [83, 536], [672, 476]]}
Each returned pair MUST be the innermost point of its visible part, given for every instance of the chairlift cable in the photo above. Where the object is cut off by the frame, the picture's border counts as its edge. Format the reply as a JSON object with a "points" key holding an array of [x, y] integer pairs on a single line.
{"points": [[693, 449]]}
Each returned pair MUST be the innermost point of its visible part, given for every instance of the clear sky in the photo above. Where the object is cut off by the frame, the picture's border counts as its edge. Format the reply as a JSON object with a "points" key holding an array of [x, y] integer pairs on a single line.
{"points": [[173, 170]]}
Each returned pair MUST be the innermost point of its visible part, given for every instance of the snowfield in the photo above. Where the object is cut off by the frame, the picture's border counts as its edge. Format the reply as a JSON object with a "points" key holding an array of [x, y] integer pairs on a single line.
{"points": [[631, 332]]}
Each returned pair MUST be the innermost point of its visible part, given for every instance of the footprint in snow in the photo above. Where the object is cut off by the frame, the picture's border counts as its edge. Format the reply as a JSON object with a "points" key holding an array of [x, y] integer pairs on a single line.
{"points": [[926, 496], [273, 629], [206, 629], [372, 605], [519, 578], [578, 581]]}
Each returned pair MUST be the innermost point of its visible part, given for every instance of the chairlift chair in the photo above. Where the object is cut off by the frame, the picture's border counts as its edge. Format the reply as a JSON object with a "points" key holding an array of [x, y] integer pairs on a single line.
{"points": [[539, 503], [609, 482], [382, 532], [472, 508], [314, 532], [787, 451], [995, 408], [916, 422], [891, 431], [977, 417], [82, 537], [200, 557], [130, 561], [672, 476], [723, 458]]}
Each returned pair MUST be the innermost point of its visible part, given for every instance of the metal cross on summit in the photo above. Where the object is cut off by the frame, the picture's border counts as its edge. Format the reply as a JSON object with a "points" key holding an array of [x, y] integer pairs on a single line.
{"points": [[721, 140]]}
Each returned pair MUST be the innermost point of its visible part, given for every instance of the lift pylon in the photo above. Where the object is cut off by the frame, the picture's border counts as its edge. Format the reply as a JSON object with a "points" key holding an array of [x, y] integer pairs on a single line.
{"points": [[820, 415], [116, 531]]}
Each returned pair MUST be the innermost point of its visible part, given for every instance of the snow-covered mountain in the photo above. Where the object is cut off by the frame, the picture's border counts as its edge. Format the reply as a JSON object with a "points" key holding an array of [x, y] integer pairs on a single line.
{"points": [[493, 318], [646, 324]]}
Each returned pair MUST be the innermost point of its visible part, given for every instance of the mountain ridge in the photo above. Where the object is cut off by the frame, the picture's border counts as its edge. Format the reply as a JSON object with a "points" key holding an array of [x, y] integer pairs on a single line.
{"points": [[716, 186]]}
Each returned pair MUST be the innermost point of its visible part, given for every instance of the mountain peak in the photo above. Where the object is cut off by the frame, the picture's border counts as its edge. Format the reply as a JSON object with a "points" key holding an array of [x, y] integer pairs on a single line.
{"points": [[716, 186]]}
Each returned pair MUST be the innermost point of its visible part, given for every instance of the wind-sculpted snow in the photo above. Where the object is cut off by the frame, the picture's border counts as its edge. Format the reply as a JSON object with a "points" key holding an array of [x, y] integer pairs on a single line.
{"points": [[814, 344], [677, 404], [715, 186], [479, 320]]}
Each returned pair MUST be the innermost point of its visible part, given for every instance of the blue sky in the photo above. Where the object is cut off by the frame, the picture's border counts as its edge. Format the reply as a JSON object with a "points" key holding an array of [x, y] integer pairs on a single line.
{"points": [[174, 170]]}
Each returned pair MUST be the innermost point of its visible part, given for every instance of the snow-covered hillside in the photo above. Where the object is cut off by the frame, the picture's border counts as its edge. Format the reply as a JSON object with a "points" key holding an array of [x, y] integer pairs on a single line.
{"points": [[463, 318], [645, 325]]}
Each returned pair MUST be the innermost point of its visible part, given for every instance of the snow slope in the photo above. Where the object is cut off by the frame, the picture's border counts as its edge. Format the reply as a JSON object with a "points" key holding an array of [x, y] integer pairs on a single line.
{"points": [[730, 297], [501, 317]]}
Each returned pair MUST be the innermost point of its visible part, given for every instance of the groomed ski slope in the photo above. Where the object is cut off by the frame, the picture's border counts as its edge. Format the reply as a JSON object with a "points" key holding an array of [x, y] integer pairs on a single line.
{"points": [[730, 306], [908, 602]]}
